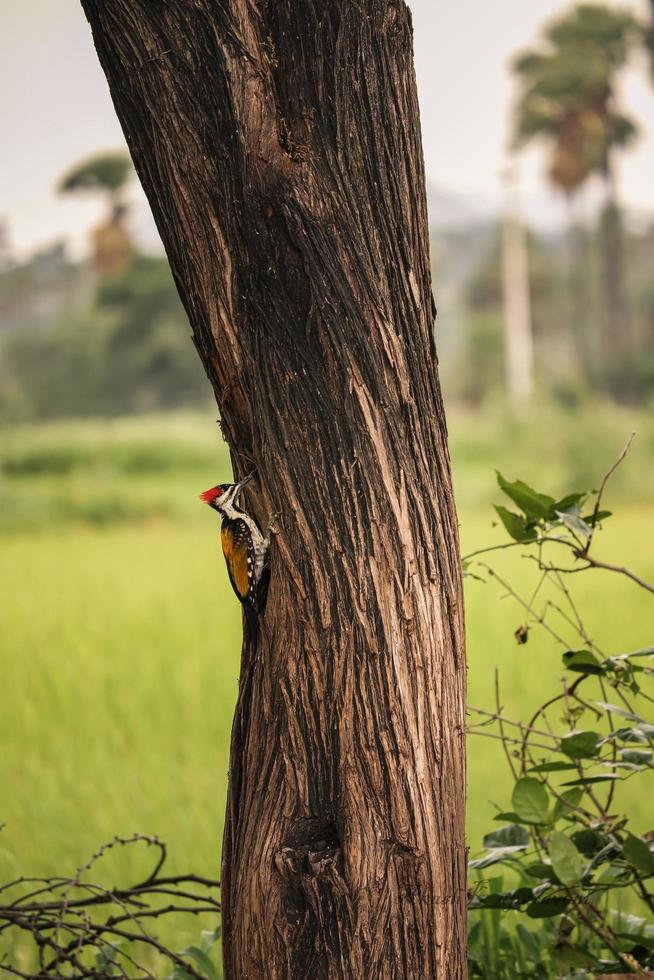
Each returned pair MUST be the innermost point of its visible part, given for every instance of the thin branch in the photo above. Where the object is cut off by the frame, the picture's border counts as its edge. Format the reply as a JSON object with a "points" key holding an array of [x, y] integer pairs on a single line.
{"points": [[592, 562], [580, 626], [540, 619], [605, 479], [496, 716], [507, 739], [495, 547]]}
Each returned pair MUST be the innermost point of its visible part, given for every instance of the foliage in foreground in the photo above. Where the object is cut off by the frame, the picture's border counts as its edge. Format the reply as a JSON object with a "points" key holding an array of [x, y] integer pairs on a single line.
{"points": [[82, 929], [573, 897]]}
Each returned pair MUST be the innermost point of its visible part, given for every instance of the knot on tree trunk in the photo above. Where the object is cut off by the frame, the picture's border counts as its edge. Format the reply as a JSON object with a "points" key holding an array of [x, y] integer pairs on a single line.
{"points": [[313, 852]]}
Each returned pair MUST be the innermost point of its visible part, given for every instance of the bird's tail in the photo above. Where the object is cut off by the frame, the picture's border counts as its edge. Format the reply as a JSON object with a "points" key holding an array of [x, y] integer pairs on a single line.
{"points": [[251, 625]]}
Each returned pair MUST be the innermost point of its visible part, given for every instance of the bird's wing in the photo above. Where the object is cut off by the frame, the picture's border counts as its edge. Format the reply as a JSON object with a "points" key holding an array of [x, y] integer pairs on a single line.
{"points": [[235, 540]]}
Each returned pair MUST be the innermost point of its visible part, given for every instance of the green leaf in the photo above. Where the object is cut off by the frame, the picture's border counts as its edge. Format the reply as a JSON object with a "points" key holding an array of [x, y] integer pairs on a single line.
{"points": [[203, 961], [624, 669], [644, 940], [639, 854], [106, 958], [574, 523], [633, 927], [645, 652], [515, 524], [615, 710], [531, 943], [597, 518], [589, 780], [538, 869], [580, 745], [572, 502], [565, 859], [613, 874], [511, 836], [180, 974], [209, 937], [531, 503], [582, 662], [567, 803], [474, 939], [588, 842], [630, 735], [530, 800], [496, 856], [547, 907], [553, 767], [635, 757]]}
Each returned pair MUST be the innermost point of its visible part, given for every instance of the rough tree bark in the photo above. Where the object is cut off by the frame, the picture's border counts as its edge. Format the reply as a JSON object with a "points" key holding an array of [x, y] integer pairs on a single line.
{"points": [[278, 143]]}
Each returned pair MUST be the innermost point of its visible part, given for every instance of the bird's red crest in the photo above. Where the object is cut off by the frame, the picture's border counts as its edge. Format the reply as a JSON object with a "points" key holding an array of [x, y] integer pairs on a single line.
{"points": [[210, 495]]}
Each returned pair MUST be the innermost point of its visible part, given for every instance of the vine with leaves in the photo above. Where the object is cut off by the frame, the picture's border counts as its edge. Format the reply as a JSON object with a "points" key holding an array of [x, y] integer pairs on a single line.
{"points": [[571, 863]]}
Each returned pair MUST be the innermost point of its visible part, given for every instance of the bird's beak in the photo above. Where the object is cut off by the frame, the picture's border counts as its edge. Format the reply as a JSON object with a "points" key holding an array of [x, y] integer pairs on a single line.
{"points": [[243, 483]]}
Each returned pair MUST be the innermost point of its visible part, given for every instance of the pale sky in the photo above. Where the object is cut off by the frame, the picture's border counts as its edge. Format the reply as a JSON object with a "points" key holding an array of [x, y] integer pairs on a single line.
{"points": [[56, 108]]}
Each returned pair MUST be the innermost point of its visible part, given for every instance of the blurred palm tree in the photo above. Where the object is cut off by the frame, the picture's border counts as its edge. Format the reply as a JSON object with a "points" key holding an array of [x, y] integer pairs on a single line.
{"points": [[107, 174], [649, 34], [568, 99]]}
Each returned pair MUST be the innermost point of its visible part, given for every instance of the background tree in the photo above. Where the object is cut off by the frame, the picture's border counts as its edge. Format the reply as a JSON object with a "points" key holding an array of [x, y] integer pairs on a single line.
{"points": [[107, 174], [279, 147], [519, 348], [567, 98], [649, 35]]}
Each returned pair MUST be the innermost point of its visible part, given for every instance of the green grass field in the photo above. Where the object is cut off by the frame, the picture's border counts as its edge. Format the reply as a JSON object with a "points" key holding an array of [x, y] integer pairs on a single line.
{"points": [[119, 635]]}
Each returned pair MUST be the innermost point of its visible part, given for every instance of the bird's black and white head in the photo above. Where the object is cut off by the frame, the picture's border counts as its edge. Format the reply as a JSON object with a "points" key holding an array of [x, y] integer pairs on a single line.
{"points": [[223, 497]]}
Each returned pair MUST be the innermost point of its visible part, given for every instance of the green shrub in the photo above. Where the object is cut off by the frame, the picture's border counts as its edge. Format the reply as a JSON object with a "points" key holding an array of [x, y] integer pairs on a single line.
{"points": [[574, 897]]}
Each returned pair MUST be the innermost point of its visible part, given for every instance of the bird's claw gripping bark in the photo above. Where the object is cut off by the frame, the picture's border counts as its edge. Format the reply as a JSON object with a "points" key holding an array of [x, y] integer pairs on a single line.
{"points": [[272, 529]]}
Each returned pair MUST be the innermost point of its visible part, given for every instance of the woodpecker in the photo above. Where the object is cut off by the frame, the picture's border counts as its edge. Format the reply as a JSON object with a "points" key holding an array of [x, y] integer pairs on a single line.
{"points": [[244, 546]]}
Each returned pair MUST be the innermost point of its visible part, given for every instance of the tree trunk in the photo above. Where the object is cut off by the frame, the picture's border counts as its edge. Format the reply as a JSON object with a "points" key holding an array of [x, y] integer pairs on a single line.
{"points": [[616, 317], [278, 143], [649, 36], [582, 333], [519, 353]]}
